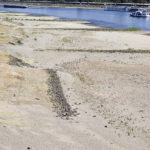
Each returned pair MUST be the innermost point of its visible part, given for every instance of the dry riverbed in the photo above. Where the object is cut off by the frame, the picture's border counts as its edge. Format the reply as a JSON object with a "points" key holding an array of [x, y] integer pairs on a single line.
{"points": [[70, 85]]}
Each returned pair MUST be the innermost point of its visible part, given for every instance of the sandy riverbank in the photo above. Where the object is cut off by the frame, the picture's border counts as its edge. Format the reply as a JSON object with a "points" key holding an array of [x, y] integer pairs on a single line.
{"points": [[59, 90]]}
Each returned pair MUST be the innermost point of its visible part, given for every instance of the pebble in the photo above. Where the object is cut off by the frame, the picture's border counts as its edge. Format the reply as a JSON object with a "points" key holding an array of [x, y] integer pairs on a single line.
{"points": [[141, 110]]}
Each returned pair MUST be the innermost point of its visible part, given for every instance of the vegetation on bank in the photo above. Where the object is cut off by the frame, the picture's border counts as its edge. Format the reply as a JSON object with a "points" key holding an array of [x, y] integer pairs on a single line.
{"points": [[115, 1], [98, 1], [132, 29]]}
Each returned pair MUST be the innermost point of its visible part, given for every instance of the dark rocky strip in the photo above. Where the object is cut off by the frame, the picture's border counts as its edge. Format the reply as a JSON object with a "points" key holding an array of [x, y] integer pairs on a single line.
{"points": [[57, 97], [18, 62], [91, 29], [140, 51]]}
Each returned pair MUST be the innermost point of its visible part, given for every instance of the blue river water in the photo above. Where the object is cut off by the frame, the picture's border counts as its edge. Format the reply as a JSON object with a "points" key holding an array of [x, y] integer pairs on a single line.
{"points": [[111, 19]]}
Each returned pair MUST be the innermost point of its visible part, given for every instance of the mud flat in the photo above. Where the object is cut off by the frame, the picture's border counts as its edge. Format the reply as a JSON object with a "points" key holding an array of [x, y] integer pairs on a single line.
{"points": [[70, 85]]}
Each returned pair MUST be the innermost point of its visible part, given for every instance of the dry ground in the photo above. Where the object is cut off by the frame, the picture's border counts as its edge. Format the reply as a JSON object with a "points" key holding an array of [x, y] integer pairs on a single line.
{"points": [[55, 95], [20, 86]]}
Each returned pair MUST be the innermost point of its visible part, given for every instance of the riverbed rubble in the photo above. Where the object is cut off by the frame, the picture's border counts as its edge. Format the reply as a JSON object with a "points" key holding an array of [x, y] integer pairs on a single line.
{"points": [[59, 101]]}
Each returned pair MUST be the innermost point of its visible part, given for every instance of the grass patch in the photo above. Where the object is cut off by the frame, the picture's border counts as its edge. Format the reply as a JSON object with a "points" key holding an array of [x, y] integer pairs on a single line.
{"points": [[132, 29], [19, 42], [130, 49], [81, 77]]}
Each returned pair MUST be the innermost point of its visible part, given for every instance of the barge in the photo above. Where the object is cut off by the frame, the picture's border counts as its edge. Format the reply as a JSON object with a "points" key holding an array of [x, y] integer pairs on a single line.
{"points": [[15, 6], [123, 9]]}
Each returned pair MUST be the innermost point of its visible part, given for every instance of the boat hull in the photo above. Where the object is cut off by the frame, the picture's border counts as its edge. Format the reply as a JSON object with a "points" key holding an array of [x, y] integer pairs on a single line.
{"points": [[140, 16], [15, 6]]}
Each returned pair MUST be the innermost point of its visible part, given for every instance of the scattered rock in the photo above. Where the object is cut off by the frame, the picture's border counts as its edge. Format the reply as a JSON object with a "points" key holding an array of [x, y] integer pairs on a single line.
{"points": [[141, 110], [57, 96], [18, 62]]}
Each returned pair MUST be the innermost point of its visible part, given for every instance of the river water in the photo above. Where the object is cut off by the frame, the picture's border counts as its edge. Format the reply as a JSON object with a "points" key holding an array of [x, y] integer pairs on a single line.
{"points": [[111, 19]]}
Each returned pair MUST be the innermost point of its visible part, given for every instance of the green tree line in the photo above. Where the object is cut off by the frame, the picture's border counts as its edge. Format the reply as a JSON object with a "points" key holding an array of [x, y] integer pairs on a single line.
{"points": [[101, 1], [97, 1]]}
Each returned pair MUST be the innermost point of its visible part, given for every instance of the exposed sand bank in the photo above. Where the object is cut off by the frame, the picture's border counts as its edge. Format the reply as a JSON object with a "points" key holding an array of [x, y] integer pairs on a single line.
{"points": [[54, 96]]}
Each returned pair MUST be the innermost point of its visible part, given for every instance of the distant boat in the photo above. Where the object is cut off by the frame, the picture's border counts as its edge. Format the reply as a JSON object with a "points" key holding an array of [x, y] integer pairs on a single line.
{"points": [[15, 6], [112, 8], [124, 9], [143, 13]]}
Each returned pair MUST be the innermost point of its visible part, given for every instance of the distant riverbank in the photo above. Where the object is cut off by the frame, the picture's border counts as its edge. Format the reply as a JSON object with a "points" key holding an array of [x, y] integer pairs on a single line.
{"points": [[74, 4], [48, 4]]}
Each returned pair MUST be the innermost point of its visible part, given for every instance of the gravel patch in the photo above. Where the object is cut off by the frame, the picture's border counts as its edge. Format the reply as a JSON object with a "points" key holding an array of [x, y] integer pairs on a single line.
{"points": [[58, 99]]}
